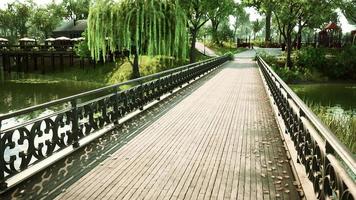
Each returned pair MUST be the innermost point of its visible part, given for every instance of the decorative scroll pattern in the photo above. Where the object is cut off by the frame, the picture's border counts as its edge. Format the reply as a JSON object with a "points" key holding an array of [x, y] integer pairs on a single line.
{"points": [[24, 145], [318, 159]]}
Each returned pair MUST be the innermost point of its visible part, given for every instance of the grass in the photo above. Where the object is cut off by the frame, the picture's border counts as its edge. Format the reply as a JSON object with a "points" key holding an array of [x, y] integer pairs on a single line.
{"points": [[109, 73], [343, 125], [226, 47]]}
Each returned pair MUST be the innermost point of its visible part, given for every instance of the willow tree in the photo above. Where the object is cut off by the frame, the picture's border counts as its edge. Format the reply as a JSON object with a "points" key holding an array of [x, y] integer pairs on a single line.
{"points": [[150, 27]]}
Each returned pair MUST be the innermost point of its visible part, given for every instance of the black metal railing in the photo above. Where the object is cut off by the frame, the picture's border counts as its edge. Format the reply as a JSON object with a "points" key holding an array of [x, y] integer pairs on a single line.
{"points": [[329, 165], [26, 143]]}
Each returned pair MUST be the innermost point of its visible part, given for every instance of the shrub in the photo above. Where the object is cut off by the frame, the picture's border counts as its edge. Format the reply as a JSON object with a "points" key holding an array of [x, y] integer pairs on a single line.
{"points": [[311, 58], [345, 64], [293, 75]]}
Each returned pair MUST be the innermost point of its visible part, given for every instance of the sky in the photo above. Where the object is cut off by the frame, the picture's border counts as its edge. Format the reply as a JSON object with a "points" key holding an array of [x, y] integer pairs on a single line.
{"points": [[346, 27]]}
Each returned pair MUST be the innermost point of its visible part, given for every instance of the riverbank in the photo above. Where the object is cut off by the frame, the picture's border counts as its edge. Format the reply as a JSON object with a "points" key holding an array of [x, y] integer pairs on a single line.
{"points": [[20, 90], [104, 73]]}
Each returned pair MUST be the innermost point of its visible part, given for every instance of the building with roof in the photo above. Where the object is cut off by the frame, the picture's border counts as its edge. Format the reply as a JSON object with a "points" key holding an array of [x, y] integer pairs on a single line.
{"points": [[330, 36], [70, 29]]}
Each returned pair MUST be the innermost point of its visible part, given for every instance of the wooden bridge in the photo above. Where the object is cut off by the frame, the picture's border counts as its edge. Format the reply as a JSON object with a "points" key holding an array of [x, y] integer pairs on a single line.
{"points": [[222, 136]]}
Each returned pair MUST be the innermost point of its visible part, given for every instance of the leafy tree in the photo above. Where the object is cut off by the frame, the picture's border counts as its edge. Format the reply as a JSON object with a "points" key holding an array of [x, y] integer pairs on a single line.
{"points": [[20, 12], [256, 26], [266, 7], [314, 14], [242, 20], [219, 12], [153, 27], [76, 9], [225, 33], [46, 19], [197, 15], [6, 28], [286, 16], [348, 7]]}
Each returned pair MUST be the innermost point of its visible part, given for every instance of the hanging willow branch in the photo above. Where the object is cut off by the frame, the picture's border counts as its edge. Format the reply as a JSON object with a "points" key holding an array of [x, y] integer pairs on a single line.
{"points": [[152, 27]]}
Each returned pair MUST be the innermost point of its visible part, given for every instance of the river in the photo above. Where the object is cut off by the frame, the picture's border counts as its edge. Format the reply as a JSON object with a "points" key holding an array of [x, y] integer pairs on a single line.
{"points": [[335, 104], [28, 91]]}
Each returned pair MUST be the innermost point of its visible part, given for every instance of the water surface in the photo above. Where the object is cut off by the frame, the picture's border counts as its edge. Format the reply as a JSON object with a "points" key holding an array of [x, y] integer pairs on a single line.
{"points": [[22, 93], [330, 94]]}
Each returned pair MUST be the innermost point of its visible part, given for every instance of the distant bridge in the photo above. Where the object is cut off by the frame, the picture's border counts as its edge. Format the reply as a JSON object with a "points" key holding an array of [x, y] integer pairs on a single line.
{"points": [[216, 129]]}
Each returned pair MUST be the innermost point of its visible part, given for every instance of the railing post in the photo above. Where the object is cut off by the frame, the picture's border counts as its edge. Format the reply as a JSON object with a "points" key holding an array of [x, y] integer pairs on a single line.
{"points": [[3, 184], [141, 96], [75, 123], [116, 107]]}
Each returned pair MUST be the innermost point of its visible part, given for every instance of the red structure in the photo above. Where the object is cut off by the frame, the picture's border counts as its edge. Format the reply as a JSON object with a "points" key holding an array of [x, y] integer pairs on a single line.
{"points": [[330, 36]]}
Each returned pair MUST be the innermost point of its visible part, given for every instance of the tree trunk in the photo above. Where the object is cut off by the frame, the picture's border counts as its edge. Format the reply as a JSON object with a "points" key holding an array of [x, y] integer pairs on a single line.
{"points": [[299, 34], [215, 25], [135, 67], [268, 25], [192, 46], [289, 63]]}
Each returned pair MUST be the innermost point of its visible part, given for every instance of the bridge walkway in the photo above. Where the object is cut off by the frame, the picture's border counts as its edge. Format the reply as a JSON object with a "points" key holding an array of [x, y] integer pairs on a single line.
{"points": [[220, 142]]}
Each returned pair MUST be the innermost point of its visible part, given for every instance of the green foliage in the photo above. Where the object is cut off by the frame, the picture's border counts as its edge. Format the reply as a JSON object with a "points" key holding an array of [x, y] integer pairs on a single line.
{"points": [[224, 48], [82, 49], [224, 32], [14, 18], [293, 75], [338, 64], [219, 13], [145, 26], [256, 27], [345, 65], [45, 19], [288, 75], [111, 73], [230, 55], [317, 64], [76, 9], [342, 125], [196, 12], [242, 22], [348, 7], [311, 58]]}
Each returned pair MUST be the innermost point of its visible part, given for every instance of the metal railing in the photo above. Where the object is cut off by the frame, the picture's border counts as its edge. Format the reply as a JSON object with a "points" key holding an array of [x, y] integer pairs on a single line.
{"points": [[25, 143], [328, 163]]}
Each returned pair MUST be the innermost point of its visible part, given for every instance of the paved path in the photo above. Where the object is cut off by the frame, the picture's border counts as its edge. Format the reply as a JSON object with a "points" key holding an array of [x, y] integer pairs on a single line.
{"points": [[220, 142], [207, 51]]}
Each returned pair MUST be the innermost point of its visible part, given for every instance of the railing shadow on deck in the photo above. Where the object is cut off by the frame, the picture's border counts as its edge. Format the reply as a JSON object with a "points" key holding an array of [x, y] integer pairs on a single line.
{"points": [[328, 163], [31, 144]]}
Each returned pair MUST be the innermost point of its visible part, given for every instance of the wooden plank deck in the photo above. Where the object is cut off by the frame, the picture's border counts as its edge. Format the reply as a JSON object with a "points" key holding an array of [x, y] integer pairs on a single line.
{"points": [[220, 142]]}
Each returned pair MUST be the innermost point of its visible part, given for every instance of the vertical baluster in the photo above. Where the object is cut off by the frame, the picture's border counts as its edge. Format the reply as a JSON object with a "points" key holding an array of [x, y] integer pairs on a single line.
{"points": [[3, 184], [141, 96], [116, 107], [75, 124]]}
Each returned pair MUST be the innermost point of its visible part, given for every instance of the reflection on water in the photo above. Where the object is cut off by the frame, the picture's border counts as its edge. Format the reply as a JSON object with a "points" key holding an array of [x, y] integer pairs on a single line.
{"points": [[329, 95], [17, 94]]}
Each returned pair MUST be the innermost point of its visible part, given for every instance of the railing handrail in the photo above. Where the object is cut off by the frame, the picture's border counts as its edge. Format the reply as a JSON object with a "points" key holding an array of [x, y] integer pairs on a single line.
{"points": [[322, 129], [102, 89]]}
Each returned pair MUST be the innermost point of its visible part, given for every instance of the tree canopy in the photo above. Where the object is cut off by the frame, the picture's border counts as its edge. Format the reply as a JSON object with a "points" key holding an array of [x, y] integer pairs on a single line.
{"points": [[145, 26]]}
